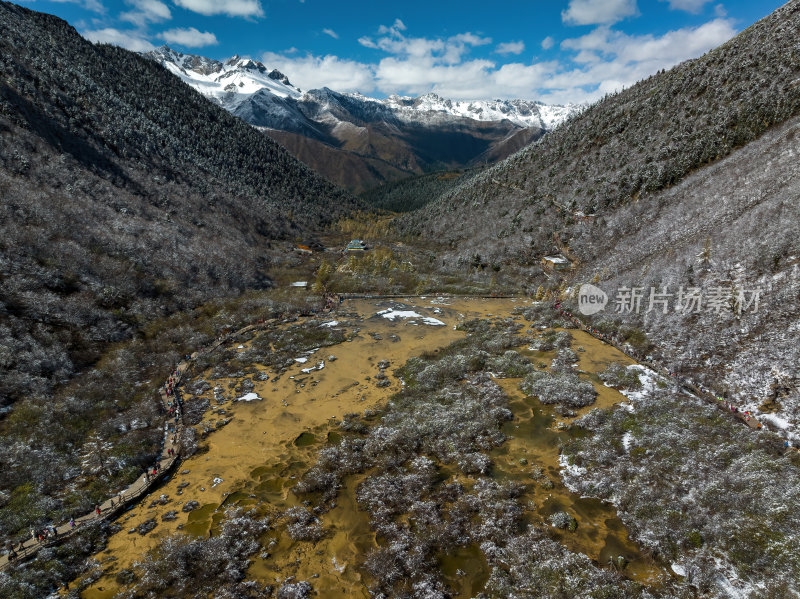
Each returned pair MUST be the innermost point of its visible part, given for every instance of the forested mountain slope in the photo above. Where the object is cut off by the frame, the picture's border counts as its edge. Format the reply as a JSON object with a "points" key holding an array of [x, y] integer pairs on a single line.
{"points": [[630, 145], [692, 177], [125, 195]]}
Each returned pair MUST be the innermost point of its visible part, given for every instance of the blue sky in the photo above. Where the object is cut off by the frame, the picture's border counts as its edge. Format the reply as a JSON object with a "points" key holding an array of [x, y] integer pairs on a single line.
{"points": [[557, 52]]}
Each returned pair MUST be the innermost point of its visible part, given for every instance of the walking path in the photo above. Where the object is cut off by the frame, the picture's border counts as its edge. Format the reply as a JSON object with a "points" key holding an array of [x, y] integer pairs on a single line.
{"points": [[170, 396], [171, 444], [696, 389]]}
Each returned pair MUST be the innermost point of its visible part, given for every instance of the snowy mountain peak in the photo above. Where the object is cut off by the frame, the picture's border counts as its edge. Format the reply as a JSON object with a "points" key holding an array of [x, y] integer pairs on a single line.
{"points": [[276, 75], [251, 65], [237, 80], [229, 83], [525, 113], [187, 62]]}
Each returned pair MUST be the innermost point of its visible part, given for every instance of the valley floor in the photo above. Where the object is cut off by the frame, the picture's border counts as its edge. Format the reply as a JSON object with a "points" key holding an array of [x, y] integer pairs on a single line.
{"points": [[271, 435]]}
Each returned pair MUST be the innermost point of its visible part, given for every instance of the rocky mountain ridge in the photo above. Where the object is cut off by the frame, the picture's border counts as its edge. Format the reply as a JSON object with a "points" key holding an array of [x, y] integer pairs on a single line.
{"points": [[379, 140]]}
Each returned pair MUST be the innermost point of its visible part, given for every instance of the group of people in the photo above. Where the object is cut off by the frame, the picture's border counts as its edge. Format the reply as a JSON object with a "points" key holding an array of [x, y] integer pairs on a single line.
{"points": [[174, 410], [38, 535], [746, 415], [148, 474], [43, 534]]}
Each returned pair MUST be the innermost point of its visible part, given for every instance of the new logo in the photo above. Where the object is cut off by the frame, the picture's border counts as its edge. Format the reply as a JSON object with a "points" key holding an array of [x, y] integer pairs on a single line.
{"points": [[591, 299]]}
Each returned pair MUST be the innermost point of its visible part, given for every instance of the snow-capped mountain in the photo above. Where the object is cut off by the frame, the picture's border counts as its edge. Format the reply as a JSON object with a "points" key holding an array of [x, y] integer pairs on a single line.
{"points": [[525, 113], [229, 83], [385, 138], [236, 80]]}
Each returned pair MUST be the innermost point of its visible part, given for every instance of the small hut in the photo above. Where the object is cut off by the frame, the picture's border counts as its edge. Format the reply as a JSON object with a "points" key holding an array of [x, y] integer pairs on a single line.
{"points": [[356, 245], [557, 262]]}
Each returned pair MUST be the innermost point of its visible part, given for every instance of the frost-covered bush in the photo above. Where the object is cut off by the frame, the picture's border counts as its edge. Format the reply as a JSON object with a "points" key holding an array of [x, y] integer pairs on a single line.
{"points": [[542, 314], [295, 590], [509, 364], [550, 340], [184, 566], [193, 409], [565, 389], [188, 442], [698, 488], [563, 520], [564, 360], [448, 368], [198, 386], [531, 566], [617, 375], [146, 526], [303, 525]]}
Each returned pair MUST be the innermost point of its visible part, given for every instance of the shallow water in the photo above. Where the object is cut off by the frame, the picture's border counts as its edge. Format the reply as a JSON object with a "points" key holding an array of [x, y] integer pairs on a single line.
{"points": [[535, 439], [261, 453]]}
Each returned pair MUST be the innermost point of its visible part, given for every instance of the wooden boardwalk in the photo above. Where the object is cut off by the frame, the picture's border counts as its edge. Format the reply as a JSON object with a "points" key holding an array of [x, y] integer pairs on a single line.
{"points": [[686, 385], [121, 502], [114, 506]]}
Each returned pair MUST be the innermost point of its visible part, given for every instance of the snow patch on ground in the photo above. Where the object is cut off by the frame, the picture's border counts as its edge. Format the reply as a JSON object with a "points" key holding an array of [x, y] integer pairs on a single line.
{"points": [[649, 379], [320, 365], [627, 439], [678, 569], [726, 579], [434, 322], [332, 323], [570, 469], [301, 360], [391, 314], [249, 397], [781, 423], [439, 301]]}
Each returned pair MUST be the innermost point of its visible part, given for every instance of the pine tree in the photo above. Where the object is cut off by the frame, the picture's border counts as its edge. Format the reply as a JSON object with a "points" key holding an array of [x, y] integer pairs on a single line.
{"points": [[323, 278]]}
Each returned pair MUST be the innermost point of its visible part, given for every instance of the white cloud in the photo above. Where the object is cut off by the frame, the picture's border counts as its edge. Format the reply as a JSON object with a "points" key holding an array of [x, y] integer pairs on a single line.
{"points": [[602, 61], [548, 43], [146, 11], [692, 6], [668, 49], [331, 33], [608, 60], [189, 37], [510, 48], [309, 72], [231, 8], [127, 39], [467, 80], [397, 27], [367, 42], [598, 12], [432, 51]]}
